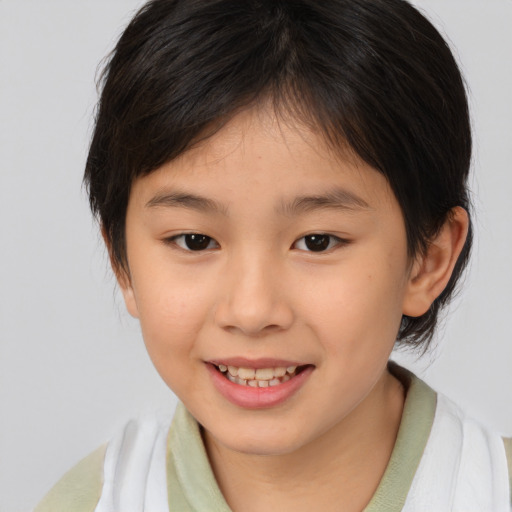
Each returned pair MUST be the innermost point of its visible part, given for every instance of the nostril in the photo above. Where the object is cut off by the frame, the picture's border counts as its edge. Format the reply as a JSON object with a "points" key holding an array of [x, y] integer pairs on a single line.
{"points": [[253, 312], [254, 330]]}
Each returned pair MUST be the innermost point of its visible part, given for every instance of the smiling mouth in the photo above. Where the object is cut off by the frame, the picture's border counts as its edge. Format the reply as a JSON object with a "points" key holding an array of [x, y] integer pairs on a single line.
{"points": [[259, 377]]}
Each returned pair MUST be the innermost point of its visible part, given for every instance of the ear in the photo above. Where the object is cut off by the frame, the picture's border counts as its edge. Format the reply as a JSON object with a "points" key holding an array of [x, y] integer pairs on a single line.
{"points": [[122, 277], [431, 271]]}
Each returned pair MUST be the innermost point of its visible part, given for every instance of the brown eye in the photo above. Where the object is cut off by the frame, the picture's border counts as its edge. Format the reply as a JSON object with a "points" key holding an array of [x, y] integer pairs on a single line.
{"points": [[317, 242], [194, 242]]}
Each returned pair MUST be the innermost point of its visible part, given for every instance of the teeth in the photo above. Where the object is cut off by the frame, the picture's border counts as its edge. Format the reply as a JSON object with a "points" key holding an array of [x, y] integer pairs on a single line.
{"points": [[265, 373], [261, 377], [246, 373], [279, 372]]}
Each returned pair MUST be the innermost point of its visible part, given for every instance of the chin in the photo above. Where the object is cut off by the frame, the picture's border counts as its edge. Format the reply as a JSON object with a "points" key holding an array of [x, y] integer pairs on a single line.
{"points": [[259, 442], [264, 448]]}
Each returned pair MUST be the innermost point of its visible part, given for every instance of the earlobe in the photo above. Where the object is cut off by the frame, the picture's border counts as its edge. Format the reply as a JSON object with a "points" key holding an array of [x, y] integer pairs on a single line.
{"points": [[129, 298], [432, 270], [122, 278]]}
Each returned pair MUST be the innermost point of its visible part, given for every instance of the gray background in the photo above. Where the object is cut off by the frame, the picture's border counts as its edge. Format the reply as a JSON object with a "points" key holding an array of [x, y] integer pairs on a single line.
{"points": [[72, 364]]}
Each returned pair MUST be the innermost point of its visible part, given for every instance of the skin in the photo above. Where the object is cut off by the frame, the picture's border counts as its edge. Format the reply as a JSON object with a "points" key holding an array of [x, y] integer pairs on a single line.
{"points": [[257, 291]]}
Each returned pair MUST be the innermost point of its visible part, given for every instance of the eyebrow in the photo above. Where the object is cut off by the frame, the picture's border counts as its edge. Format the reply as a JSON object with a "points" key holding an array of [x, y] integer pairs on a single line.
{"points": [[186, 200], [338, 199]]}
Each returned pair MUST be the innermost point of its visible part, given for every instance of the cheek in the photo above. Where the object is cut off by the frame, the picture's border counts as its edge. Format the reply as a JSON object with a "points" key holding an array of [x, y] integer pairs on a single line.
{"points": [[172, 310], [170, 322], [359, 307]]}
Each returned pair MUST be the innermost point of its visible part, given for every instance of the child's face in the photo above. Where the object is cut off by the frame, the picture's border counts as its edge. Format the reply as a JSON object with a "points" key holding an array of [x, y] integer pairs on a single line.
{"points": [[261, 291]]}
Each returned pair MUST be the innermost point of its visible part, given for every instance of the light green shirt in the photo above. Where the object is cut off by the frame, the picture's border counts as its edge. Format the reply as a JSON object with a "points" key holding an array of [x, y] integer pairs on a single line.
{"points": [[191, 483]]}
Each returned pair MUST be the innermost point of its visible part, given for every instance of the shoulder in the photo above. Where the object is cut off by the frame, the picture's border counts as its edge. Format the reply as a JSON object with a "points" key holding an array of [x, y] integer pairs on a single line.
{"points": [[129, 469], [484, 456], [79, 489], [458, 445], [507, 441], [135, 467]]}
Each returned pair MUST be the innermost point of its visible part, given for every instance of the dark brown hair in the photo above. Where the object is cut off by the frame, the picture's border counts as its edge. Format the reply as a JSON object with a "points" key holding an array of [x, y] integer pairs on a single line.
{"points": [[371, 74]]}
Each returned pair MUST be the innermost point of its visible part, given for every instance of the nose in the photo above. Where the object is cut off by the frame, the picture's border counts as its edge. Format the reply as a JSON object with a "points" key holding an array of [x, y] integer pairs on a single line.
{"points": [[254, 297]]}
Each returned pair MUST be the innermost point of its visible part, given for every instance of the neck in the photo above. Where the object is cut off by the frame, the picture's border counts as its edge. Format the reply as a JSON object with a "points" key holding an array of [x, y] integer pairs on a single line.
{"points": [[340, 470]]}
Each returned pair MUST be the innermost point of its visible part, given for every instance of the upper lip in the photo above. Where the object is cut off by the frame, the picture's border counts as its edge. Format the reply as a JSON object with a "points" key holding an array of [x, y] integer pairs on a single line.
{"points": [[264, 362]]}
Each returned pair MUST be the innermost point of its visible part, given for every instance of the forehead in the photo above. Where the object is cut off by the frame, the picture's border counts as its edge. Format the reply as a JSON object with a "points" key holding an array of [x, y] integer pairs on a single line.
{"points": [[278, 158]]}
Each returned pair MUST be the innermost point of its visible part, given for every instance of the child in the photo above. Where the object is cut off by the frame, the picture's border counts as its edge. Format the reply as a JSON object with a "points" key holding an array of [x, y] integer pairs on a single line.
{"points": [[282, 188]]}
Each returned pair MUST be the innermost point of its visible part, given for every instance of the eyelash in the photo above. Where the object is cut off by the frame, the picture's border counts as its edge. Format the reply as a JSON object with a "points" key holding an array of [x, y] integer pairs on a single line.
{"points": [[205, 242], [201, 240], [317, 238]]}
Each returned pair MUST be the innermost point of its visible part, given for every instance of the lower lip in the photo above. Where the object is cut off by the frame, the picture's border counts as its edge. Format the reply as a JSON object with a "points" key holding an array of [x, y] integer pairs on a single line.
{"points": [[257, 398]]}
